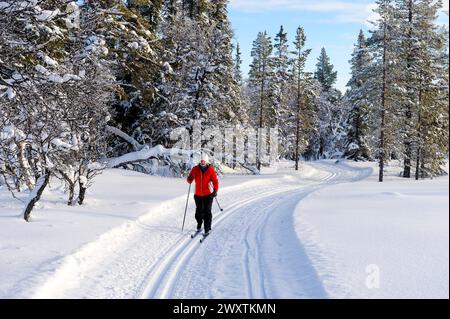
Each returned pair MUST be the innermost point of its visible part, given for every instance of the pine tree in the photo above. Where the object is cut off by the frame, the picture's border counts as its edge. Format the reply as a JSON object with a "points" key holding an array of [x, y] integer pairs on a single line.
{"points": [[281, 65], [237, 65], [382, 79], [260, 77], [148, 9], [280, 86], [324, 71], [431, 113], [330, 115], [199, 78], [419, 46], [302, 82], [357, 98], [134, 50]]}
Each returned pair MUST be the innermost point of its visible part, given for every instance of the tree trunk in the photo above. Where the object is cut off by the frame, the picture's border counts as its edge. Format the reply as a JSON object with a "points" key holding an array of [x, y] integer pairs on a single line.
{"points": [[419, 136], [407, 162], [383, 111], [71, 185], [258, 149], [82, 193], [25, 166], [297, 142], [234, 151], [408, 113], [418, 164], [71, 194], [422, 165], [35, 195]]}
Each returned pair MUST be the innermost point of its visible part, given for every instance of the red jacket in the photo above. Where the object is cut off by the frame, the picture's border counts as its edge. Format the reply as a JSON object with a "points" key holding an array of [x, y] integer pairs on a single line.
{"points": [[204, 180]]}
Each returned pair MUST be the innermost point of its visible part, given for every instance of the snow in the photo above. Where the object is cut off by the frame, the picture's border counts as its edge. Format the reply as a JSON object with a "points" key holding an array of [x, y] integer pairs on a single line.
{"points": [[17, 5], [49, 61], [61, 144], [401, 227], [133, 45], [282, 234], [62, 79], [111, 214], [168, 68], [41, 69], [9, 131], [10, 93], [73, 19], [83, 180], [47, 15]]}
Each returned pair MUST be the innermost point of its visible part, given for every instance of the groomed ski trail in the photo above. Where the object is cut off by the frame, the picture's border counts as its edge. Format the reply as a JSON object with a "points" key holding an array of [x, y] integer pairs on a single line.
{"points": [[256, 255], [252, 252]]}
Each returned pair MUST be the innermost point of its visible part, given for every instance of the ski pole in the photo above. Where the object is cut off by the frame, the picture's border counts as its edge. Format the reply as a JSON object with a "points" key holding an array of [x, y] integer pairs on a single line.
{"points": [[221, 209], [185, 210]]}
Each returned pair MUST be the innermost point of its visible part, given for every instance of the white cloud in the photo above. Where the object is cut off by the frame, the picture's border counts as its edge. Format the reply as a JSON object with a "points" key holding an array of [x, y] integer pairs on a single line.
{"points": [[445, 7], [307, 5], [346, 11]]}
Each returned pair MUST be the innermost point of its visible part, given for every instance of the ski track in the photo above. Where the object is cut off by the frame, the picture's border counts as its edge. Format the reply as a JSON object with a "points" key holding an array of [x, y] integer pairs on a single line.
{"points": [[252, 252]]}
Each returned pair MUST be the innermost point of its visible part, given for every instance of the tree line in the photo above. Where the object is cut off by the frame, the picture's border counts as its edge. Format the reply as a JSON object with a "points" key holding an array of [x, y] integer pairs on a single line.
{"points": [[396, 105]]}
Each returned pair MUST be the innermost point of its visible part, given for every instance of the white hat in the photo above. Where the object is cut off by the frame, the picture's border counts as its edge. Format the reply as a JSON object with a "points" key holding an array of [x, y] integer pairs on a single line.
{"points": [[204, 157]]}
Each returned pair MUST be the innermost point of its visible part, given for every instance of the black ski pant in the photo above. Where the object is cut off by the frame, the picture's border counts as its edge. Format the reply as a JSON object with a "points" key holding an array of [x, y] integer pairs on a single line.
{"points": [[203, 211]]}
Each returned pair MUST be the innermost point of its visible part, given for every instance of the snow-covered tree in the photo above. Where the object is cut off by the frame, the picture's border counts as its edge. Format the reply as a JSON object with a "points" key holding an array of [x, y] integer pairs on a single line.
{"points": [[358, 146], [237, 66], [51, 68], [301, 81], [281, 69], [419, 46], [324, 71], [382, 80], [329, 126], [260, 87], [133, 47]]}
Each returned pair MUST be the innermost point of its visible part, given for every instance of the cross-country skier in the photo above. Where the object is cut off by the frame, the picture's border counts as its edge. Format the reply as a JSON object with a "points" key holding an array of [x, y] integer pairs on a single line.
{"points": [[206, 188]]}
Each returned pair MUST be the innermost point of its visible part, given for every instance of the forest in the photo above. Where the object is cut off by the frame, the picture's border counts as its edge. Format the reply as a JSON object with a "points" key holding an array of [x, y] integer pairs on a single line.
{"points": [[82, 83]]}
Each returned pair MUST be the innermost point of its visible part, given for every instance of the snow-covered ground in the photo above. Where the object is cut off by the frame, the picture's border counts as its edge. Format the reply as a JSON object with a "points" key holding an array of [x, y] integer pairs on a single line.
{"points": [[284, 234], [373, 240]]}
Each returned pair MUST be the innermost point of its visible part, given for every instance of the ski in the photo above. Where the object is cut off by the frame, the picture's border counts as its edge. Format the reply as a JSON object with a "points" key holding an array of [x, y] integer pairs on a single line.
{"points": [[204, 237], [195, 234]]}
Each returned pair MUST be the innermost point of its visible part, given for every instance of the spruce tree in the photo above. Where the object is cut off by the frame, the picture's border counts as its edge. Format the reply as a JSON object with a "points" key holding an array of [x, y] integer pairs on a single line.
{"points": [[237, 65], [357, 98], [260, 77], [324, 71], [302, 83], [381, 79], [330, 115], [419, 46]]}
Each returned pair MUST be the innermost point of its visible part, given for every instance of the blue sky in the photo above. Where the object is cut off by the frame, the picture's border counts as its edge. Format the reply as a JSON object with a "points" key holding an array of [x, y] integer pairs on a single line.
{"points": [[333, 24]]}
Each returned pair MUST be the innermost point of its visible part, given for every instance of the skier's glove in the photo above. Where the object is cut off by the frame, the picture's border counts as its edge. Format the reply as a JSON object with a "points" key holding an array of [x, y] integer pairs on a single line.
{"points": [[213, 194], [190, 179]]}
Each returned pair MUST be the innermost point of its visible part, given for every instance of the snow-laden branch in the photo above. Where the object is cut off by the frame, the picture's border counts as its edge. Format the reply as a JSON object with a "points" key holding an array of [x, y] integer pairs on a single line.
{"points": [[114, 130], [144, 154], [160, 152]]}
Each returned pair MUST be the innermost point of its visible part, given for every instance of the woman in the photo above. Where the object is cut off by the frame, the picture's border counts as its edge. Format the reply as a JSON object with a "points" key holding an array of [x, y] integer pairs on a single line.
{"points": [[206, 188]]}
